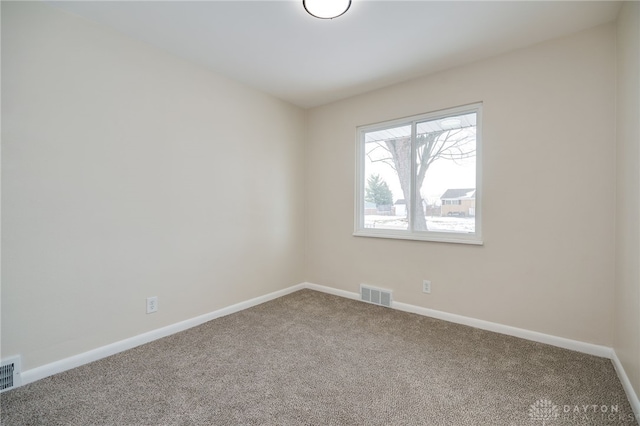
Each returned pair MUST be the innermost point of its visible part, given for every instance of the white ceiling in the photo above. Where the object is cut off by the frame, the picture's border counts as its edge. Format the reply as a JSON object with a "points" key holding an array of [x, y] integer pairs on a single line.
{"points": [[275, 46]]}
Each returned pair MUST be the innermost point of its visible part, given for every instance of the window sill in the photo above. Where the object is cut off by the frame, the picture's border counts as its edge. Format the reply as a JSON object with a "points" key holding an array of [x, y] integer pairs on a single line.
{"points": [[431, 237]]}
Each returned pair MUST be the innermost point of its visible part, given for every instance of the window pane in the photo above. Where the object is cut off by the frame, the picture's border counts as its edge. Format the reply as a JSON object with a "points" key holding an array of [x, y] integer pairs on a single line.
{"points": [[387, 178], [428, 161], [446, 174]]}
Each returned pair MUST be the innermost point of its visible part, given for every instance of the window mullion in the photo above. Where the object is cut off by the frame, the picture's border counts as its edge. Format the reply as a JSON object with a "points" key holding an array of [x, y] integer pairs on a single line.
{"points": [[412, 189]]}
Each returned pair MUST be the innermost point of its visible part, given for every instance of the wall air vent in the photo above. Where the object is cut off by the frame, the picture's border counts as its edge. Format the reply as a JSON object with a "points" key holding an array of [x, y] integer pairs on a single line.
{"points": [[10, 373], [377, 296]]}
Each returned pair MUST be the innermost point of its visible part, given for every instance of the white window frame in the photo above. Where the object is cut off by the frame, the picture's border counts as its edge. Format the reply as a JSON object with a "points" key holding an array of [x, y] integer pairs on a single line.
{"points": [[446, 237]]}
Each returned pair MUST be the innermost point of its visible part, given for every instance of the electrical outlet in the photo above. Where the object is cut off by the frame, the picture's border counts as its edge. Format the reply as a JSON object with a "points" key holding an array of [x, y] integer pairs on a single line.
{"points": [[152, 304], [426, 286]]}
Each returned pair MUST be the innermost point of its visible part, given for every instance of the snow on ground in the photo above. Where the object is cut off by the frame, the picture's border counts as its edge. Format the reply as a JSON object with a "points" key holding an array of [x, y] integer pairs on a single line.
{"points": [[434, 223]]}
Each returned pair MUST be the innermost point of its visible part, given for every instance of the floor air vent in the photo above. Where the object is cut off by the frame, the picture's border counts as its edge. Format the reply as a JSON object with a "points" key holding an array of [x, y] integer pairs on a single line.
{"points": [[377, 296], [9, 373]]}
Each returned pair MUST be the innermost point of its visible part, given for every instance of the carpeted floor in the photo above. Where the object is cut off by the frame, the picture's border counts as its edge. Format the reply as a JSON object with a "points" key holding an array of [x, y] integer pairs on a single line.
{"points": [[316, 359]]}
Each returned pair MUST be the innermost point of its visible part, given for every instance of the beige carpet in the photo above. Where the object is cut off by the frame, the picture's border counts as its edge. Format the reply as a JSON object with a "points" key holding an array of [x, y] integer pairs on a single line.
{"points": [[312, 358]]}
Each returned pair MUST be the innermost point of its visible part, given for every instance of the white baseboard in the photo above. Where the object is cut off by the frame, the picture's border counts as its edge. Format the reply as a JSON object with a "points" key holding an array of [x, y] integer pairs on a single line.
{"points": [[574, 345], [334, 291], [626, 384], [47, 370], [41, 372]]}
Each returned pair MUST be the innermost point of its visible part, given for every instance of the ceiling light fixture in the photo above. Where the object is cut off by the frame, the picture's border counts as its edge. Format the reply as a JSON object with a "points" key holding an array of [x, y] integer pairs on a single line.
{"points": [[326, 9]]}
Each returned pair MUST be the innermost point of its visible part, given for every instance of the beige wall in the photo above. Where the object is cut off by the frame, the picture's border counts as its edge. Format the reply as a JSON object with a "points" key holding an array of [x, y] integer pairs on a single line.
{"points": [[548, 135], [627, 289], [129, 173]]}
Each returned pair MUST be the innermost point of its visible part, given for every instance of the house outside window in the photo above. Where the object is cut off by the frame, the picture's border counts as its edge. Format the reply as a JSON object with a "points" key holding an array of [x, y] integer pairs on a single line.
{"points": [[459, 202], [419, 177]]}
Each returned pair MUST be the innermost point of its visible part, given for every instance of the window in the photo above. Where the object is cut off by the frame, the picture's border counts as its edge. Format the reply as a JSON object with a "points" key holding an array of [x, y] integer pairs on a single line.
{"points": [[418, 177]]}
